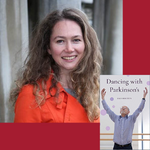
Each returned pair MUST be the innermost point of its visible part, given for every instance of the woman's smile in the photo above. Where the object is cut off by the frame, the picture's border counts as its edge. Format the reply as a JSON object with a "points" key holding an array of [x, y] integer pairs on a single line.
{"points": [[69, 57]]}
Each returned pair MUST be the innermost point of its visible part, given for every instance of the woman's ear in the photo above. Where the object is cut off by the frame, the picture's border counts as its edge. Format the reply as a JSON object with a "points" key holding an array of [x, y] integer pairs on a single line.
{"points": [[49, 51]]}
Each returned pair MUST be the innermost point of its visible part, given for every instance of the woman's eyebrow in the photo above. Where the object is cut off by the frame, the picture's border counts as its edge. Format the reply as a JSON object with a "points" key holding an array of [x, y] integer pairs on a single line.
{"points": [[75, 36], [59, 37]]}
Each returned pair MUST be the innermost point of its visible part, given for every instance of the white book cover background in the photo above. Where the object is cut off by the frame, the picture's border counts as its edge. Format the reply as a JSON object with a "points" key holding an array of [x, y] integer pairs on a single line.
{"points": [[125, 90]]}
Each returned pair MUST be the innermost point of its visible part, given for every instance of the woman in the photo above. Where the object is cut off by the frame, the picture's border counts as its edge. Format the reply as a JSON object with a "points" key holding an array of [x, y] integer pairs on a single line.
{"points": [[60, 79]]}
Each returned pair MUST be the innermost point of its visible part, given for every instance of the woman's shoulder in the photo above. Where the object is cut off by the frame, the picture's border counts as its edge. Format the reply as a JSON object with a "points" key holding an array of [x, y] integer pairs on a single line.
{"points": [[26, 94], [28, 88], [28, 91]]}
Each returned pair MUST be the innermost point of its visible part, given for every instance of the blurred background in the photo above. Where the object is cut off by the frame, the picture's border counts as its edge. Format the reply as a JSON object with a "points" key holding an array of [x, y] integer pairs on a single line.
{"points": [[18, 19]]}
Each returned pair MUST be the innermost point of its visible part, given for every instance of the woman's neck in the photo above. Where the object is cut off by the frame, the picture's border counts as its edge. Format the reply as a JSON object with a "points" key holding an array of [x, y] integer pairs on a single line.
{"points": [[64, 79]]}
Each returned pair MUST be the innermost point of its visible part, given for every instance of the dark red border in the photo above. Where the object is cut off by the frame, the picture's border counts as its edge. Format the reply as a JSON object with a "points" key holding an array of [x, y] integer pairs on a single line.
{"points": [[136, 37], [49, 136]]}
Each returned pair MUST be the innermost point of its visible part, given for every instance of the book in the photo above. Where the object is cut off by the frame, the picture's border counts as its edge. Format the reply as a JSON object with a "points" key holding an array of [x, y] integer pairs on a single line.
{"points": [[125, 90]]}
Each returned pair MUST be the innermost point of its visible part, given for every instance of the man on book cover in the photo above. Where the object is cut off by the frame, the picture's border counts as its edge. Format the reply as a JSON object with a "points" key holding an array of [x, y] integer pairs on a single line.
{"points": [[124, 124]]}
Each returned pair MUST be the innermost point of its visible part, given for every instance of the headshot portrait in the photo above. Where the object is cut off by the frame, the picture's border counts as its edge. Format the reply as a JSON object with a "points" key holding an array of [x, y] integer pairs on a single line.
{"points": [[52, 54]]}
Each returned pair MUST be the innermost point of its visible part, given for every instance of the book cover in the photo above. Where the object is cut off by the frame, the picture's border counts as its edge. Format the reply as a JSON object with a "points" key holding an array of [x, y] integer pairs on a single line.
{"points": [[125, 90]]}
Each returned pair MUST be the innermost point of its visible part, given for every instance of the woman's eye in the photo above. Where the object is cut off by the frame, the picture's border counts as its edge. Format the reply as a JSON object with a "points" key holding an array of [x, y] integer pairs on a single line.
{"points": [[76, 40], [59, 41]]}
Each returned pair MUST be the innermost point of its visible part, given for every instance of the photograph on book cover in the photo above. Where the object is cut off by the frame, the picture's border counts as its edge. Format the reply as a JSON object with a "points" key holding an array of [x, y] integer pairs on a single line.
{"points": [[82, 51], [125, 111]]}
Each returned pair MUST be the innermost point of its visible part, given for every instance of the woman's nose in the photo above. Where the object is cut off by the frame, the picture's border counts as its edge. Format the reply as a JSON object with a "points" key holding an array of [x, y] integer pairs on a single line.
{"points": [[69, 47]]}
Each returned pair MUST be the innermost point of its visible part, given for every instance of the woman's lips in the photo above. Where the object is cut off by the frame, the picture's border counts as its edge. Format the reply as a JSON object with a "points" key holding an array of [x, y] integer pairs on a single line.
{"points": [[68, 57]]}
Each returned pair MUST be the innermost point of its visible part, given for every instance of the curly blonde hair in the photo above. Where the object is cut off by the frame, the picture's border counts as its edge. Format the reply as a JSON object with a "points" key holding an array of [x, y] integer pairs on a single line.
{"points": [[39, 64]]}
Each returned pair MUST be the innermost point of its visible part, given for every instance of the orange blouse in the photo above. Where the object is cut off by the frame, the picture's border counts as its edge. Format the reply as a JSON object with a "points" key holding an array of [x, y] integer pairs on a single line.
{"points": [[67, 110]]}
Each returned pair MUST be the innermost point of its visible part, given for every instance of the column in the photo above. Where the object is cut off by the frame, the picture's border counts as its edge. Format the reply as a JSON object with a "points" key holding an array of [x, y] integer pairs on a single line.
{"points": [[13, 42]]}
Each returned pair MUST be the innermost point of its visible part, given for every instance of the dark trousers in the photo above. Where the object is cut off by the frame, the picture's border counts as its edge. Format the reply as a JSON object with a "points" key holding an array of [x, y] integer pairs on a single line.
{"points": [[128, 146]]}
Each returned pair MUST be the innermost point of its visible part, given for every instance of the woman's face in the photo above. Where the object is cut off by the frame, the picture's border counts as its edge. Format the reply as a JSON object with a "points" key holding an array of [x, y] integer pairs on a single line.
{"points": [[66, 44]]}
